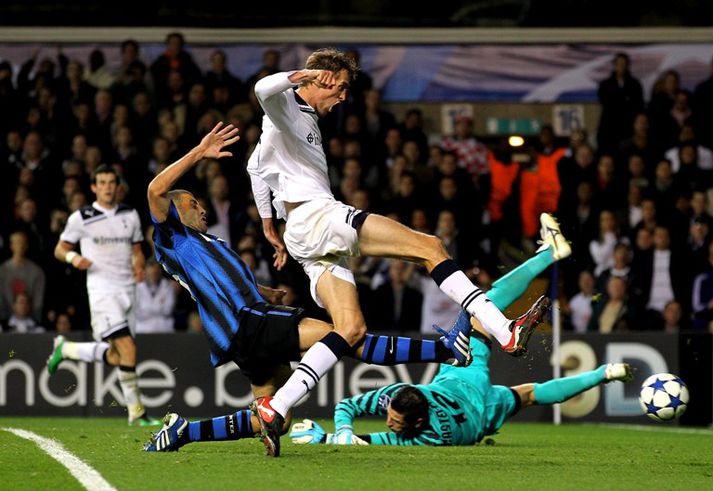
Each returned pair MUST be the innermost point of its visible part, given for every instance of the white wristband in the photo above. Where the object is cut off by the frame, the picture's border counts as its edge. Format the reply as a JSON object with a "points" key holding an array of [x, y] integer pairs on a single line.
{"points": [[70, 256]]}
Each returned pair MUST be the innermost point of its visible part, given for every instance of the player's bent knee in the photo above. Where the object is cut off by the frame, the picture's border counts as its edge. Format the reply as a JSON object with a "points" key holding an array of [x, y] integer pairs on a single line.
{"points": [[353, 334]]}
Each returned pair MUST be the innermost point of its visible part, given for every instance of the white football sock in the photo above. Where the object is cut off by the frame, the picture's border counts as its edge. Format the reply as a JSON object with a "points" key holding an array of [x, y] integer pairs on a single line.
{"points": [[460, 289], [318, 360], [129, 382], [88, 352]]}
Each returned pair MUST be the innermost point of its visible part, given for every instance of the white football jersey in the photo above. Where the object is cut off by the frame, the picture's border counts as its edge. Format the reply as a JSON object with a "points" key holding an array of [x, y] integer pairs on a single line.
{"points": [[106, 238], [289, 160]]}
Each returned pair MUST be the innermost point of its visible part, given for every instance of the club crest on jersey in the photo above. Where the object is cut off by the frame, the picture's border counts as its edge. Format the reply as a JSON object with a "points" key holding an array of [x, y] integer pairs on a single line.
{"points": [[313, 139], [384, 401]]}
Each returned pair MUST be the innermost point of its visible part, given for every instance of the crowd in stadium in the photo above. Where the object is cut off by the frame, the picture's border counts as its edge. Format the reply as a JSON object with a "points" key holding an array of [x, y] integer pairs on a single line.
{"points": [[636, 205]]}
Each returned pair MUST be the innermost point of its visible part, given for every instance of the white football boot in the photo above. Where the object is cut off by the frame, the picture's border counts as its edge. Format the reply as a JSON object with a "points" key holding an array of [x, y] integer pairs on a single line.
{"points": [[618, 371], [551, 236]]}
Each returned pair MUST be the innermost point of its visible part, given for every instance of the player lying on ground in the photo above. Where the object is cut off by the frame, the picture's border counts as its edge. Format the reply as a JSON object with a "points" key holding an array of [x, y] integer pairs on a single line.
{"points": [[455, 409], [178, 432], [288, 169], [241, 326]]}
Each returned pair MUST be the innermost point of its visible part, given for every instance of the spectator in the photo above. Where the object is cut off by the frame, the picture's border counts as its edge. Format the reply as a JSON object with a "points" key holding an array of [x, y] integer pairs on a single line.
{"points": [[687, 136], [660, 277], [602, 249], [621, 266], [672, 318], [703, 295], [702, 117], [21, 275], [397, 305], [580, 306], [621, 98], [472, 155], [220, 76], [174, 59], [270, 66], [155, 301], [98, 74], [21, 320], [613, 312], [63, 324]]}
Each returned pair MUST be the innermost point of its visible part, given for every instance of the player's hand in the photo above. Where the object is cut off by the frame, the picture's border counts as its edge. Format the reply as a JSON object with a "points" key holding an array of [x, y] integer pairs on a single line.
{"points": [[81, 263], [274, 296], [221, 136], [307, 432], [344, 435], [139, 274], [280, 254], [325, 79]]}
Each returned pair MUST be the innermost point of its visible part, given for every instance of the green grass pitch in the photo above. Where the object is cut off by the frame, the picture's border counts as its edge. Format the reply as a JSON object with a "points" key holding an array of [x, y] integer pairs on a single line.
{"points": [[524, 456]]}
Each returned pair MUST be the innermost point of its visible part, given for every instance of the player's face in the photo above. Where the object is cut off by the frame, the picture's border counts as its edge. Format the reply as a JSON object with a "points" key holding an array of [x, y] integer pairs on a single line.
{"points": [[193, 214], [105, 189], [332, 96], [395, 420]]}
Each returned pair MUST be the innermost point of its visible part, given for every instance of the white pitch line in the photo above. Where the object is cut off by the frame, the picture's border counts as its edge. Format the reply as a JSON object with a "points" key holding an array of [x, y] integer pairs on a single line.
{"points": [[84, 473], [691, 431]]}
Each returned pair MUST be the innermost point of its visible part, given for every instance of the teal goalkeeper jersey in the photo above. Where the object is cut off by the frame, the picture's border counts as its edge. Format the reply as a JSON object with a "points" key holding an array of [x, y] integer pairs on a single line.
{"points": [[455, 414]]}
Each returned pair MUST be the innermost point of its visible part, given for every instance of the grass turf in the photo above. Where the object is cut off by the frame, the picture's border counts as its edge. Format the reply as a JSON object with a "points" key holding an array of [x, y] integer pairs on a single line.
{"points": [[537, 456]]}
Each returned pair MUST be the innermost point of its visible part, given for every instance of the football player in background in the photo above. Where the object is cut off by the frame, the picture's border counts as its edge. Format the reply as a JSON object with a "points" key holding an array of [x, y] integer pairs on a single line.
{"points": [[109, 235]]}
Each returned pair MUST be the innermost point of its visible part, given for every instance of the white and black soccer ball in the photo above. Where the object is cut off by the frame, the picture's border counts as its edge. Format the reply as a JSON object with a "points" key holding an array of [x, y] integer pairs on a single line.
{"points": [[663, 397]]}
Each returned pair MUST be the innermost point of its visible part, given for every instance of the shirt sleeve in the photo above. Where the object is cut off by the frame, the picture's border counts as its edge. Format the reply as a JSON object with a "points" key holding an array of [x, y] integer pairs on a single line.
{"points": [[270, 92], [263, 198], [373, 403], [391, 438], [74, 230]]}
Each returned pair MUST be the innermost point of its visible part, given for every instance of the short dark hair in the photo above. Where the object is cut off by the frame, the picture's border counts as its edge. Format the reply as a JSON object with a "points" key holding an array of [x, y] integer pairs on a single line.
{"points": [[176, 35], [129, 42], [332, 59], [412, 405], [175, 194], [104, 169]]}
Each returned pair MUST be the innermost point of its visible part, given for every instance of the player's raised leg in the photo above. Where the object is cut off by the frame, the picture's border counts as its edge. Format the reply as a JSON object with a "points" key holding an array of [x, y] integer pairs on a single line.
{"points": [[553, 248], [382, 237]]}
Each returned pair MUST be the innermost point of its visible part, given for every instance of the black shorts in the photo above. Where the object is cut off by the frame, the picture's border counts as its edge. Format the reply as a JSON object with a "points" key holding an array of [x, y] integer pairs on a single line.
{"points": [[268, 337]]}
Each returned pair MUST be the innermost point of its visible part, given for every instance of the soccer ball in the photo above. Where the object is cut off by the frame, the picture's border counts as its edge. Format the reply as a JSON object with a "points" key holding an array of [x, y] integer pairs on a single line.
{"points": [[663, 397]]}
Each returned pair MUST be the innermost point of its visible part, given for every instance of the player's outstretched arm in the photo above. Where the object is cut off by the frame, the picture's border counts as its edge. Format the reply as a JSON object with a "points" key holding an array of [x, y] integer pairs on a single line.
{"points": [[210, 147]]}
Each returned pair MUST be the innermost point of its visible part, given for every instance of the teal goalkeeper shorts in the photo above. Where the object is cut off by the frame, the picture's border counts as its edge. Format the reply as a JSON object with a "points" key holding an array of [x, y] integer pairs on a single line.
{"points": [[492, 403]]}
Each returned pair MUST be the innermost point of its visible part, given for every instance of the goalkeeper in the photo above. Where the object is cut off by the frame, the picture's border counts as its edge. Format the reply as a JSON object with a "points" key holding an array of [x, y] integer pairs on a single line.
{"points": [[460, 406]]}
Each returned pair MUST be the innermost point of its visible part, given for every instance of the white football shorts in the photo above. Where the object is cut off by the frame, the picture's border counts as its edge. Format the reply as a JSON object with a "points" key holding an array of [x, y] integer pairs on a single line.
{"points": [[320, 236], [112, 311]]}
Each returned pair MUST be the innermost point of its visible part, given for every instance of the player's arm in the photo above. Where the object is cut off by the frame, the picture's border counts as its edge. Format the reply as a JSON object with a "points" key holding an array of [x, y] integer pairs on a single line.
{"points": [[138, 262], [210, 147], [261, 193], [270, 93], [391, 438], [64, 251]]}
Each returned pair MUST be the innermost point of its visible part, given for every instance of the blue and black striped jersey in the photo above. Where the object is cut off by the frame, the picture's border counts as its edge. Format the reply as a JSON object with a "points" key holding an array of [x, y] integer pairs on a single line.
{"points": [[215, 275]]}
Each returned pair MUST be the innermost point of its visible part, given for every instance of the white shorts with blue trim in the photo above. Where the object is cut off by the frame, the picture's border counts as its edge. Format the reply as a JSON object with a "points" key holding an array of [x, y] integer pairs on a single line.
{"points": [[320, 236]]}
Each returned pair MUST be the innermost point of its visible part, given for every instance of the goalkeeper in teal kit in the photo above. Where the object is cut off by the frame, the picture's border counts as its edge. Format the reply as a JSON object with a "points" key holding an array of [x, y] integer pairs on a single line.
{"points": [[460, 406]]}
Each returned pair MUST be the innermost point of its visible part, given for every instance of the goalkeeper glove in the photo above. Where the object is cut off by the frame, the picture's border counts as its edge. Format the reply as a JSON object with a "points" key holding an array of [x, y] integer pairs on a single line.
{"points": [[307, 432], [345, 436]]}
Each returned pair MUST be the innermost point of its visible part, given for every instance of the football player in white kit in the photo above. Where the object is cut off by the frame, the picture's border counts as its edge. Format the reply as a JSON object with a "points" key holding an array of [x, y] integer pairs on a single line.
{"points": [[109, 235], [289, 166]]}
